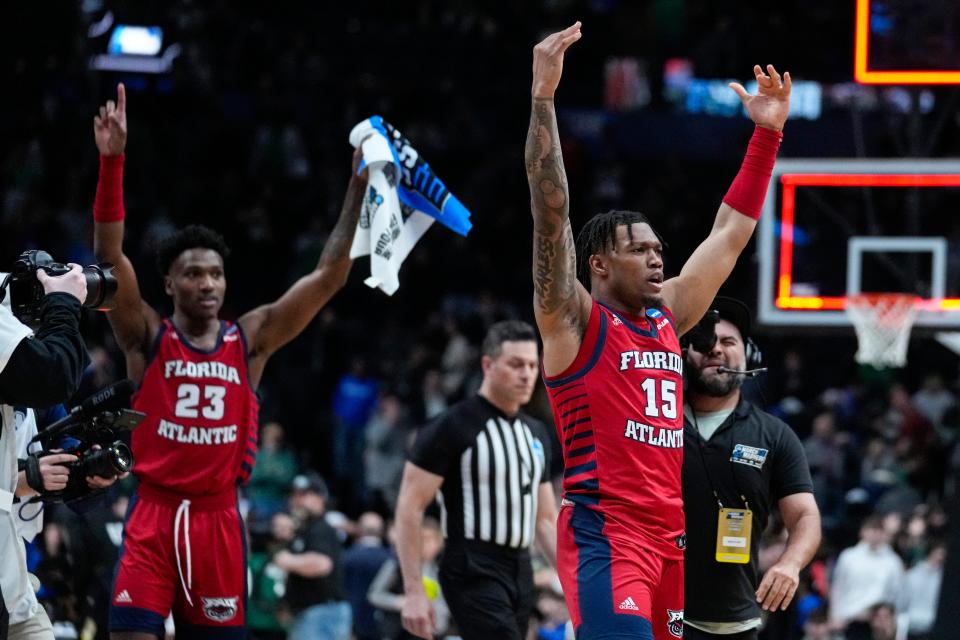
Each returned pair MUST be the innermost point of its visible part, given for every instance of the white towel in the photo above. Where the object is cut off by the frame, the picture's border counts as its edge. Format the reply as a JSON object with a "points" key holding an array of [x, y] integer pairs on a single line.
{"points": [[403, 198]]}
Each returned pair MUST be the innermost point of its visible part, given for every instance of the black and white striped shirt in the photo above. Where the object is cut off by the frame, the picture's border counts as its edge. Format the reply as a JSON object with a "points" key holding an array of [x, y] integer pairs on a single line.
{"points": [[492, 467]]}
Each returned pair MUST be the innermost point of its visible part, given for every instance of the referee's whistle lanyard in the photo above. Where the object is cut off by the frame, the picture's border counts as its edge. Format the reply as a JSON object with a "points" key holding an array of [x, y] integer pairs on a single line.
{"points": [[706, 469]]}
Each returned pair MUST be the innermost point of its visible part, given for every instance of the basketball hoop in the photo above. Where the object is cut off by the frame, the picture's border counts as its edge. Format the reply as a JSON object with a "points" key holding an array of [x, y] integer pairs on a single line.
{"points": [[883, 322]]}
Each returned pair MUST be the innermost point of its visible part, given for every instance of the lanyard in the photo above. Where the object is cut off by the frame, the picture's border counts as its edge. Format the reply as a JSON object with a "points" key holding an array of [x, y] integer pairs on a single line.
{"points": [[706, 469]]}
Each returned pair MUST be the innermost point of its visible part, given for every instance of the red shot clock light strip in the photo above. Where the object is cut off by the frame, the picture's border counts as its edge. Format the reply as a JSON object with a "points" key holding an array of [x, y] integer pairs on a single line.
{"points": [[790, 181]]}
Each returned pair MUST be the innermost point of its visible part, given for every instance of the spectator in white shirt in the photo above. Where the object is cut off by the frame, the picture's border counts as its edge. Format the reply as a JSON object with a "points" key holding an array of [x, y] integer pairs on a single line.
{"points": [[921, 593], [867, 574]]}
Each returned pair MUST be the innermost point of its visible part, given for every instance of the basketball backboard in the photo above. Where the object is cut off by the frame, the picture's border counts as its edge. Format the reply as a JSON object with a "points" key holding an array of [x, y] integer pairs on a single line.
{"points": [[832, 228]]}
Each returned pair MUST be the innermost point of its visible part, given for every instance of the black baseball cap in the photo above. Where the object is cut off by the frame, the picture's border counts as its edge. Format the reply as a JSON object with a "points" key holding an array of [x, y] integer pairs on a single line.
{"points": [[734, 312], [310, 481]]}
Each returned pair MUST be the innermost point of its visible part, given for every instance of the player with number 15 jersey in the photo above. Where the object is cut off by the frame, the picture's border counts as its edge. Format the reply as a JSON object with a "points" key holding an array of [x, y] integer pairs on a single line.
{"points": [[611, 360]]}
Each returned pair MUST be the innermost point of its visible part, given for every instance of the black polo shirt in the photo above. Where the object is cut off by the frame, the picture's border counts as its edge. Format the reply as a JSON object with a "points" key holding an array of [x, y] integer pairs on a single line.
{"points": [[752, 454]]}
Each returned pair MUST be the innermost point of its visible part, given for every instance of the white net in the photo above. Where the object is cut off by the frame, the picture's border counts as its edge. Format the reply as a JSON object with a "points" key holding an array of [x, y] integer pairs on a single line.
{"points": [[883, 323]]}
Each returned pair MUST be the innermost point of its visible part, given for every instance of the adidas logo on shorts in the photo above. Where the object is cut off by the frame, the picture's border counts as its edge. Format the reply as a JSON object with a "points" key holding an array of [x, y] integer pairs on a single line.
{"points": [[123, 597], [629, 604]]}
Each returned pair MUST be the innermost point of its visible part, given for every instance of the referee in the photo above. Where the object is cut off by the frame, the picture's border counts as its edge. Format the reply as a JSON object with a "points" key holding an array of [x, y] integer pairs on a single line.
{"points": [[739, 463], [490, 463]]}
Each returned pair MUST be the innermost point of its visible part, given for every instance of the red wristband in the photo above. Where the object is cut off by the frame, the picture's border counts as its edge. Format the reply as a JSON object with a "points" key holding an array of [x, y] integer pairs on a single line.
{"points": [[749, 188], [108, 206]]}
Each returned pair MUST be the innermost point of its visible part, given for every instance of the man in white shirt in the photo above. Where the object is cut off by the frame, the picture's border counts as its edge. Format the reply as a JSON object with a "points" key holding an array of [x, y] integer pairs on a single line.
{"points": [[865, 575], [921, 593]]}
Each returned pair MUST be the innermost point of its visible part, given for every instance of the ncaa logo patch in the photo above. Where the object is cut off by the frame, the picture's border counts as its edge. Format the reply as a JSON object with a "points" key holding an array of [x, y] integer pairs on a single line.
{"points": [[675, 623], [750, 456], [220, 609], [654, 313], [538, 451]]}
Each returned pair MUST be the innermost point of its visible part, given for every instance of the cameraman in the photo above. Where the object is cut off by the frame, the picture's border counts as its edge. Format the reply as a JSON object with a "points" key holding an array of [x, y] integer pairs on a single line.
{"points": [[37, 369]]}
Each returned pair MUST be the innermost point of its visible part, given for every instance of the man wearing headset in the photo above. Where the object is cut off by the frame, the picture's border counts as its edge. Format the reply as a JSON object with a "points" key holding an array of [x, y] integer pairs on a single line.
{"points": [[739, 463]]}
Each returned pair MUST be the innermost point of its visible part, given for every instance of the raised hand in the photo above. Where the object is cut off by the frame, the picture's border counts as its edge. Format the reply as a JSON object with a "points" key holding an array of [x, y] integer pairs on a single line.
{"points": [[548, 60], [771, 106], [110, 125]]}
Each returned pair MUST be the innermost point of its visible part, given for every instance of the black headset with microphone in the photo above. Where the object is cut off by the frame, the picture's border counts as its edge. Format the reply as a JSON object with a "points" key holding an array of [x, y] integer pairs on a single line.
{"points": [[703, 337]]}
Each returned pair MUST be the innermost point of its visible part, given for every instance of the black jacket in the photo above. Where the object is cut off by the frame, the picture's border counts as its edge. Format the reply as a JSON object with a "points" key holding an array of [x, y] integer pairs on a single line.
{"points": [[46, 369]]}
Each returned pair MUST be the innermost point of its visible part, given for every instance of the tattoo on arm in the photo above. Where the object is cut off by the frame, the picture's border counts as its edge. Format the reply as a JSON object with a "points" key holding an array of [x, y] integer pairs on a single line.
{"points": [[554, 268], [338, 244]]}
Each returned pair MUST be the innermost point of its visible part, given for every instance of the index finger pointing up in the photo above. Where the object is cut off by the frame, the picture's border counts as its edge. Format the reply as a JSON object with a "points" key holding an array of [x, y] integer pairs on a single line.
{"points": [[121, 98]]}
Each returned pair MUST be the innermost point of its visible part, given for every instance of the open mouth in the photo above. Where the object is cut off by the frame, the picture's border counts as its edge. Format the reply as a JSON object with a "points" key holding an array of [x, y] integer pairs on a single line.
{"points": [[656, 281]]}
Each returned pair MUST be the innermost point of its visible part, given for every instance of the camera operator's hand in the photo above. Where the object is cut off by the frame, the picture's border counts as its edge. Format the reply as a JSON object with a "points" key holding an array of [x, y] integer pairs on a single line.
{"points": [[54, 470], [72, 282], [110, 127]]}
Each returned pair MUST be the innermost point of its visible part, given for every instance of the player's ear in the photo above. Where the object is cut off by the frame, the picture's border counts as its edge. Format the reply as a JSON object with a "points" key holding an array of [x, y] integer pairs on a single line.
{"points": [[168, 285], [598, 265]]}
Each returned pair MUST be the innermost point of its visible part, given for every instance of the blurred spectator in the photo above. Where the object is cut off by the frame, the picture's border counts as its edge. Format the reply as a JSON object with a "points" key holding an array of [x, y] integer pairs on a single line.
{"points": [[921, 593], [883, 622], [386, 440], [275, 468], [817, 627], [386, 591], [902, 420], [265, 615], [432, 397], [826, 453], [933, 400], [361, 562], [458, 360], [354, 400], [865, 575], [553, 616], [313, 561], [878, 469]]}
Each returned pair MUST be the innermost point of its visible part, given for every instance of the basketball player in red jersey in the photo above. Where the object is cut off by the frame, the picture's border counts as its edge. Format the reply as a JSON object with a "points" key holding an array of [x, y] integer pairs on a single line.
{"points": [[184, 548], [612, 365]]}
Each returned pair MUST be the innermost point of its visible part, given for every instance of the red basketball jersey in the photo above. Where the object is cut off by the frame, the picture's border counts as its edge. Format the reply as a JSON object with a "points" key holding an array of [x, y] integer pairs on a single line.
{"points": [[200, 433], [619, 414]]}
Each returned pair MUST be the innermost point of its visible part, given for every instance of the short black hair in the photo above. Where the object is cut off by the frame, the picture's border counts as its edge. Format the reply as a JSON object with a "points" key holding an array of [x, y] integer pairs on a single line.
{"points": [[195, 236], [599, 234], [507, 330]]}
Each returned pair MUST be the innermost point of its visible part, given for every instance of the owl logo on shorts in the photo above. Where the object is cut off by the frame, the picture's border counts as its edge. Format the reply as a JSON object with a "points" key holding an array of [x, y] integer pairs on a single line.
{"points": [[675, 623], [220, 609]]}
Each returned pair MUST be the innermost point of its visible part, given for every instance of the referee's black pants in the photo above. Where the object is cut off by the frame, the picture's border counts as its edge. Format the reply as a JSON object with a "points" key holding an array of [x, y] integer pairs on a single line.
{"points": [[489, 590]]}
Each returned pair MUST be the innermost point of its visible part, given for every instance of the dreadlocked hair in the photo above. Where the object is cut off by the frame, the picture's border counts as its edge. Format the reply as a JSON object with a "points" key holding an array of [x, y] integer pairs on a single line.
{"points": [[599, 234], [194, 236]]}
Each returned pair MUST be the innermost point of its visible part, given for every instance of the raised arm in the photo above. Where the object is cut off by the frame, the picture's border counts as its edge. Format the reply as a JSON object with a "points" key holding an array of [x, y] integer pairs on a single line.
{"points": [[690, 293], [134, 322], [271, 326], [561, 304]]}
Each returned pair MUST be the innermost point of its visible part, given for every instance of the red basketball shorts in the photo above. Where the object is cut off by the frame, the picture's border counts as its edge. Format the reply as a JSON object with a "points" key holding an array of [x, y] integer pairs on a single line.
{"points": [[185, 555], [614, 588]]}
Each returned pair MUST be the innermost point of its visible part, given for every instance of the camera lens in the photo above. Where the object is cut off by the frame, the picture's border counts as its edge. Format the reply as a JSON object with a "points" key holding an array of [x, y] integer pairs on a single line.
{"points": [[107, 462], [101, 286]]}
